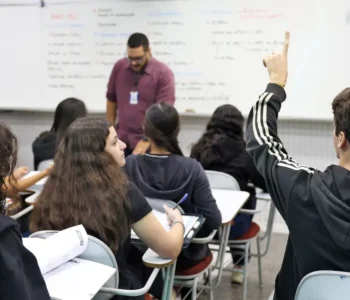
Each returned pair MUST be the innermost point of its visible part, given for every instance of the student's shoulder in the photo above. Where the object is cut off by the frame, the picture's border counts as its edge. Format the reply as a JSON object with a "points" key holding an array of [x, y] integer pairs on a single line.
{"points": [[45, 137], [19, 265], [10, 243], [44, 133], [9, 233], [7, 223], [131, 161], [131, 158], [138, 203], [188, 163], [134, 194]]}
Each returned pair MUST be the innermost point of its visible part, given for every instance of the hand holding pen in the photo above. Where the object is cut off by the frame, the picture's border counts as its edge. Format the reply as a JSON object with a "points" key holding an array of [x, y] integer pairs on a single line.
{"points": [[174, 214]]}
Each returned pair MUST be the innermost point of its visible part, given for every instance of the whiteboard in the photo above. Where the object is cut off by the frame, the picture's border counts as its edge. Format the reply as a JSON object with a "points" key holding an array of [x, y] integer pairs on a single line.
{"points": [[20, 57], [215, 49]]}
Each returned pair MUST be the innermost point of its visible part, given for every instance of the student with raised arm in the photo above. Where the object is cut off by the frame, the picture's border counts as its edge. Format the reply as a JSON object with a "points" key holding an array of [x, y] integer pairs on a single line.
{"points": [[315, 205], [88, 187], [20, 277], [165, 173]]}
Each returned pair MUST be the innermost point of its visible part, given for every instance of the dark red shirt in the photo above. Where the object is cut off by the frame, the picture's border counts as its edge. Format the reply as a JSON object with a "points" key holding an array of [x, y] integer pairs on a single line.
{"points": [[155, 84]]}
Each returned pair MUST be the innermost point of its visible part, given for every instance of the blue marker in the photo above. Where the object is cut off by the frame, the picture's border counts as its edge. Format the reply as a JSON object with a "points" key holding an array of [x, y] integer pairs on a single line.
{"points": [[181, 201]]}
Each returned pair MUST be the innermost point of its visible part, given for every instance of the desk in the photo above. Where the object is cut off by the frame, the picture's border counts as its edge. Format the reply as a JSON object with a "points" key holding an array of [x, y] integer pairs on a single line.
{"points": [[263, 196], [38, 186], [25, 210], [229, 203], [22, 213], [31, 199], [153, 260]]}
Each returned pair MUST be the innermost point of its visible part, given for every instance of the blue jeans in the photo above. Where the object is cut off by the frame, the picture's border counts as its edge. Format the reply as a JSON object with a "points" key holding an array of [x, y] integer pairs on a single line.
{"points": [[240, 227]]}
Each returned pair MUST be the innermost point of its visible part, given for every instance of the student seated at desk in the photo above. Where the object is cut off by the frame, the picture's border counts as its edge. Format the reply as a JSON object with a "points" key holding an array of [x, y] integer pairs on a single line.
{"points": [[44, 146], [20, 276], [15, 184], [222, 148], [87, 186], [20, 184], [164, 173]]}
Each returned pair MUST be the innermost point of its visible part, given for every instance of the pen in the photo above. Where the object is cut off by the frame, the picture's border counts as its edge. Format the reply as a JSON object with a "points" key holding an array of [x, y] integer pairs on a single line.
{"points": [[181, 201]]}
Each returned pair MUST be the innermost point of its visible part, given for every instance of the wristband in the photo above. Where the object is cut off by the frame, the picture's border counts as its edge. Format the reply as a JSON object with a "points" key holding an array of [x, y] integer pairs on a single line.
{"points": [[180, 222]]}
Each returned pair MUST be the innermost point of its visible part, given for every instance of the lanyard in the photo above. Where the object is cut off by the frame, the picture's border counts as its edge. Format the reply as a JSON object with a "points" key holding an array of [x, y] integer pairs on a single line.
{"points": [[136, 76]]}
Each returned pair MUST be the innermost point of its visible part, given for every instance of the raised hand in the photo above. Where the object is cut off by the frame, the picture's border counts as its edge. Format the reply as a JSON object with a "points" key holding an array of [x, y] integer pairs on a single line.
{"points": [[277, 64]]}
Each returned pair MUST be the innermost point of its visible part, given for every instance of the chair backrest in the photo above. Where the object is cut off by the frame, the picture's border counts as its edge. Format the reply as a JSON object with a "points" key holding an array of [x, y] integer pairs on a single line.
{"points": [[222, 181], [157, 204], [96, 251], [44, 164], [324, 285]]}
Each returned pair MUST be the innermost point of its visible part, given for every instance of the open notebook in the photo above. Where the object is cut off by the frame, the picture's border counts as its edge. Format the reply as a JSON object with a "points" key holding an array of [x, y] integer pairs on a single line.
{"points": [[189, 222], [66, 276]]}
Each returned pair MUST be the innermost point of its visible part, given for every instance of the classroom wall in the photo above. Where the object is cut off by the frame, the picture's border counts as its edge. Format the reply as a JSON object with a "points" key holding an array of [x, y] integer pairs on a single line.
{"points": [[308, 142]]}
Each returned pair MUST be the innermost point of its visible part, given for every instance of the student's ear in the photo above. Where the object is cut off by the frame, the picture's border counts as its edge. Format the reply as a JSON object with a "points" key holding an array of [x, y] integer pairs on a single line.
{"points": [[342, 141]]}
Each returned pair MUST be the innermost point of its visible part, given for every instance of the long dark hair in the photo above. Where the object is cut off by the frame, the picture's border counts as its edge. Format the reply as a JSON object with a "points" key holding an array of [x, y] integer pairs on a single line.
{"points": [[86, 186], [67, 111], [226, 122], [162, 126], [8, 160]]}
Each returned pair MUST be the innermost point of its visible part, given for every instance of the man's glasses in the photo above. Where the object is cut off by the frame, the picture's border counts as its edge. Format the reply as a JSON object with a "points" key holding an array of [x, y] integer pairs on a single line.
{"points": [[137, 60]]}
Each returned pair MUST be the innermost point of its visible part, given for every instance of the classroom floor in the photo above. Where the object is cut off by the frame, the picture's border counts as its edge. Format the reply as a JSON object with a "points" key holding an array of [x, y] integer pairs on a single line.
{"points": [[270, 264]]}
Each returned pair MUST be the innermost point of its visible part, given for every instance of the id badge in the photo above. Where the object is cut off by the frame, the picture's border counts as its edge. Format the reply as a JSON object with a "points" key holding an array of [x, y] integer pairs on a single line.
{"points": [[134, 97]]}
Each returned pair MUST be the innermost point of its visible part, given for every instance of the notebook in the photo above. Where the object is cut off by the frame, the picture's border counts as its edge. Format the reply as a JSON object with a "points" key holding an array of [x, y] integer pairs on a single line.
{"points": [[66, 276], [40, 182]]}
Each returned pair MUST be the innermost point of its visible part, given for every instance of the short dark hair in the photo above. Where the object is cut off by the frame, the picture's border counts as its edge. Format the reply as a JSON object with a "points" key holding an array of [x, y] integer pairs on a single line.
{"points": [[341, 113], [138, 39]]}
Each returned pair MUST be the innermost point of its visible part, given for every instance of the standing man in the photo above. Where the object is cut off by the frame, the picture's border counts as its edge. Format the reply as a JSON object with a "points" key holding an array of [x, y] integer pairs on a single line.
{"points": [[136, 82]]}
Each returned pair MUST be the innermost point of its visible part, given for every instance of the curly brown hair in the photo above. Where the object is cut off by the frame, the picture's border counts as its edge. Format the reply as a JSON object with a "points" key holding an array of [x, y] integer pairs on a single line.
{"points": [[86, 186], [8, 160]]}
